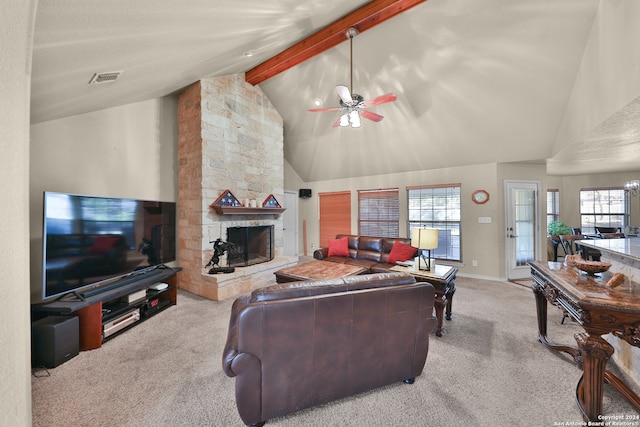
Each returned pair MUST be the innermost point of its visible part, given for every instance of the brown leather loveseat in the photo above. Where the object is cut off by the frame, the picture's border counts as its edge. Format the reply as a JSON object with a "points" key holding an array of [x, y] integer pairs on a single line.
{"points": [[300, 344], [369, 252]]}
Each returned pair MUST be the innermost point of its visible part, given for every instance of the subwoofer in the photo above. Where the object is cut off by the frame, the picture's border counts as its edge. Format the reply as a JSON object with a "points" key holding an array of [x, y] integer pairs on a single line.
{"points": [[54, 340]]}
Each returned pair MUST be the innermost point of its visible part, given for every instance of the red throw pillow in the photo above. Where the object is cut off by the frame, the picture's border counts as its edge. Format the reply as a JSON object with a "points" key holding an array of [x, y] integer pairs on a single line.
{"points": [[339, 247], [401, 252]]}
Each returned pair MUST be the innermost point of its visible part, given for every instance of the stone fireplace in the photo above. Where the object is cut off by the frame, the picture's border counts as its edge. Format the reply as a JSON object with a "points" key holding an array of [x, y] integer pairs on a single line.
{"points": [[230, 138], [250, 245]]}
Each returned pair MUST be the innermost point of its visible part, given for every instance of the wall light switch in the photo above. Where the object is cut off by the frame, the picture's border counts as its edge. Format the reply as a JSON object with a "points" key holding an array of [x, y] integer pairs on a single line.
{"points": [[484, 219]]}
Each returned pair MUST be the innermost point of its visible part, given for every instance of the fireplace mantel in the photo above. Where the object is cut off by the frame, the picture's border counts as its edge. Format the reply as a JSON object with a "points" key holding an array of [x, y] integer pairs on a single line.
{"points": [[241, 210]]}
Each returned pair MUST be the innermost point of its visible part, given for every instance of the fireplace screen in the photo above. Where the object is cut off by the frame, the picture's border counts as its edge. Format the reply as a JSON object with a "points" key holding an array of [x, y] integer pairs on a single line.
{"points": [[251, 245]]}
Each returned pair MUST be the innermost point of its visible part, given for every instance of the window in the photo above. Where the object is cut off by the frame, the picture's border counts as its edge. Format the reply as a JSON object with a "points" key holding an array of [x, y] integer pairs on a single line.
{"points": [[602, 207], [379, 213], [553, 205], [438, 207]]}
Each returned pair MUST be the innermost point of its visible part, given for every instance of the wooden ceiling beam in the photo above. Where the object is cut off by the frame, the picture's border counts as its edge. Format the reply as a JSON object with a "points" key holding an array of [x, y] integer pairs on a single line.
{"points": [[368, 16]]}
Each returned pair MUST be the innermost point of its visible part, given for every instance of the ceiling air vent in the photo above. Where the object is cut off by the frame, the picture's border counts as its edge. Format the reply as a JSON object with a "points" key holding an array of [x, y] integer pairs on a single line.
{"points": [[109, 77]]}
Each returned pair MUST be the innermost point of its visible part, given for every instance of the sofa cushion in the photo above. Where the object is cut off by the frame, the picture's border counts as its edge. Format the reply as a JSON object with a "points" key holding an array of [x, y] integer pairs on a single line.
{"points": [[353, 240], [401, 252], [381, 267], [356, 262], [339, 247], [381, 280], [329, 286], [367, 243], [297, 289]]}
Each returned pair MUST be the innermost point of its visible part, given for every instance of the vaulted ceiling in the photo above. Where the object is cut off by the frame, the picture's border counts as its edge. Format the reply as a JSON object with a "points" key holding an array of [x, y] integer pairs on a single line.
{"points": [[478, 81]]}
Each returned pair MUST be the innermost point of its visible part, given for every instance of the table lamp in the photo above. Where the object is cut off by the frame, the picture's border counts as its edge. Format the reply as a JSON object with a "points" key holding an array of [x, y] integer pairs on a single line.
{"points": [[424, 239]]}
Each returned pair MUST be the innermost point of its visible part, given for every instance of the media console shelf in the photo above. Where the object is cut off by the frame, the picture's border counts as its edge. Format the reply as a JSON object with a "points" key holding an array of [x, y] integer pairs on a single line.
{"points": [[114, 302]]}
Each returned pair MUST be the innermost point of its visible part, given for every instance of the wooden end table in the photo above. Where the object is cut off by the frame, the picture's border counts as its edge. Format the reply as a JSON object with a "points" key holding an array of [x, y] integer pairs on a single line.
{"points": [[443, 279], [317, 270]]}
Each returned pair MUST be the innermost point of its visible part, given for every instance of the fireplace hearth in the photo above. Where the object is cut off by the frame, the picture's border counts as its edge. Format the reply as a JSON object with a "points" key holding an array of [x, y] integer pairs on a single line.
{"points": [[250, 245]]}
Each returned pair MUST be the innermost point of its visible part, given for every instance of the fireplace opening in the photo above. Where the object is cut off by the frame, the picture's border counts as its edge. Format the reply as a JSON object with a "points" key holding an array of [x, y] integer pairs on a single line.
{"points": [[251, 245]]}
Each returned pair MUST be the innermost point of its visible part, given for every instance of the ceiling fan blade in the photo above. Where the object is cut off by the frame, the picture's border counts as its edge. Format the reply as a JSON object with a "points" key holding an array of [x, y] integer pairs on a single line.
{"points": [[336, 124], [371, 115], [321, 110], [344, 94], [388, 97]]}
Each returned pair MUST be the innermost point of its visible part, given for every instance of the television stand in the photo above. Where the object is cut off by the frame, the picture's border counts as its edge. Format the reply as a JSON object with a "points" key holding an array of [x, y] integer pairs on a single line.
{"points": [[96, 311]]}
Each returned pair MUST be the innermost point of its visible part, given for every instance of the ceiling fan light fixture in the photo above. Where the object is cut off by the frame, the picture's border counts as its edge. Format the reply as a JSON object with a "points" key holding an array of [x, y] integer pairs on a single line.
{"points": [[354, 118], [352, 104]]}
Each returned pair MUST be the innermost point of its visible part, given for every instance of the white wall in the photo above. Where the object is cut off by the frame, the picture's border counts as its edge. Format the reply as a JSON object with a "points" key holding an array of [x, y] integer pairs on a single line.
{"points": [[128, 151], [16, 21]]}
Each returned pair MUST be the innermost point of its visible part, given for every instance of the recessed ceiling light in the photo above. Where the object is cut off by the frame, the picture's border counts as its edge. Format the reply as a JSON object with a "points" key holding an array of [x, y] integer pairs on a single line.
{"points": [[249, 53], [317, 102]]}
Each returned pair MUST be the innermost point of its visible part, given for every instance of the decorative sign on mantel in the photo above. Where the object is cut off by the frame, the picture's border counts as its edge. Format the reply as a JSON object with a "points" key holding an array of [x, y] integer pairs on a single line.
{"points": [[228, 204]]}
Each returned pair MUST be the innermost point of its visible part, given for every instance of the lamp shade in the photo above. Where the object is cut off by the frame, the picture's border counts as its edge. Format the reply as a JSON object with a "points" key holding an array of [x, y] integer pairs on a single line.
{"points": [[424, 238]]}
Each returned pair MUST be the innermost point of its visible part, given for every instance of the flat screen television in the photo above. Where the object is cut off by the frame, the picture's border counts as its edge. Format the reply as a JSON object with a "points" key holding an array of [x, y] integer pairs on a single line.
{"points": [[90, 242]]}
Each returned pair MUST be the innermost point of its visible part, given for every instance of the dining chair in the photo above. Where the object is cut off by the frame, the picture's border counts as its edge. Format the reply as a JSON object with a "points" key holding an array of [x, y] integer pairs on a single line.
{"points": [[612, 235], [608, 230], [569, 245]]}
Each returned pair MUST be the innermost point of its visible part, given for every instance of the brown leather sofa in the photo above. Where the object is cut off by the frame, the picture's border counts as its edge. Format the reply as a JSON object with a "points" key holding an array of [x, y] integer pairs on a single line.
{"points": [[300, 344], [365, 251]]}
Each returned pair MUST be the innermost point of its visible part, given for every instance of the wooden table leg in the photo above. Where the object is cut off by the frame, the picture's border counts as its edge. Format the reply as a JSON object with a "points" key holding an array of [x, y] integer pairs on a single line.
{"points": [[541, 312], [590, 391], [439, 305], [449, 296]]}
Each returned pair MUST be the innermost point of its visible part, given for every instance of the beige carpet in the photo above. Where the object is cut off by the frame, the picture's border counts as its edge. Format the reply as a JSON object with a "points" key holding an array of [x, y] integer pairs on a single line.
{"points": [[522, 282], [487, 370]]}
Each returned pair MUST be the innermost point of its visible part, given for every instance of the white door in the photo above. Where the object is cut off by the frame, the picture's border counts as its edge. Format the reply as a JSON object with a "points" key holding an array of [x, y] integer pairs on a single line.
{"points": [[522, 227], [290, 224]]}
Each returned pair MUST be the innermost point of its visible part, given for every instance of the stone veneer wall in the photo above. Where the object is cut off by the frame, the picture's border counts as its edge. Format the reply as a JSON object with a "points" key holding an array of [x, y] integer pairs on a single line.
{"points": [[230, 137]]}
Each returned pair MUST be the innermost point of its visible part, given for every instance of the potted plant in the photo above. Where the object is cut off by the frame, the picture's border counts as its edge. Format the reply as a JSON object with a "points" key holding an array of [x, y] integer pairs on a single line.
{"points": [[556, 228]]}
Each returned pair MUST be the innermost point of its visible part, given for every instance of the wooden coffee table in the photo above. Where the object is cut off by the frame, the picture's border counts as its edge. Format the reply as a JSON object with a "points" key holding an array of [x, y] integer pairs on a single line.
{"points": [[316, 270]]}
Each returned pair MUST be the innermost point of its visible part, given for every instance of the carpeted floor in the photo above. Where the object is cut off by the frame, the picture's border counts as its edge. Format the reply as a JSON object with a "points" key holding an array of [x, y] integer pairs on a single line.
{"points": [[487, 370], [522, 282]]}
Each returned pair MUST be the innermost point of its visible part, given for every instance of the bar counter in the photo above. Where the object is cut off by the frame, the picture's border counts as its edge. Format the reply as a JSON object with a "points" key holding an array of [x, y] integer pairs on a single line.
{"points": [[625, 251]]}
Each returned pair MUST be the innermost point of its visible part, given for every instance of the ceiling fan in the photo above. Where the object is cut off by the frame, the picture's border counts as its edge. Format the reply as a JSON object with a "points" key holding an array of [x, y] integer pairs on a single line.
{"points": [[352, 105]]}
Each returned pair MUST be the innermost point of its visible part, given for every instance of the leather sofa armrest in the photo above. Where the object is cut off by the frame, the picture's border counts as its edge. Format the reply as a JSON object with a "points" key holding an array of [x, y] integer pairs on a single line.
{"points": [[321, 253], [231, 346]]}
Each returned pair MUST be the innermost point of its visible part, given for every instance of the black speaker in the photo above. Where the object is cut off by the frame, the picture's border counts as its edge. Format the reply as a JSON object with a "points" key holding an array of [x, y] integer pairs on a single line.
{"points": [[54, 340], [305, 193]]}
